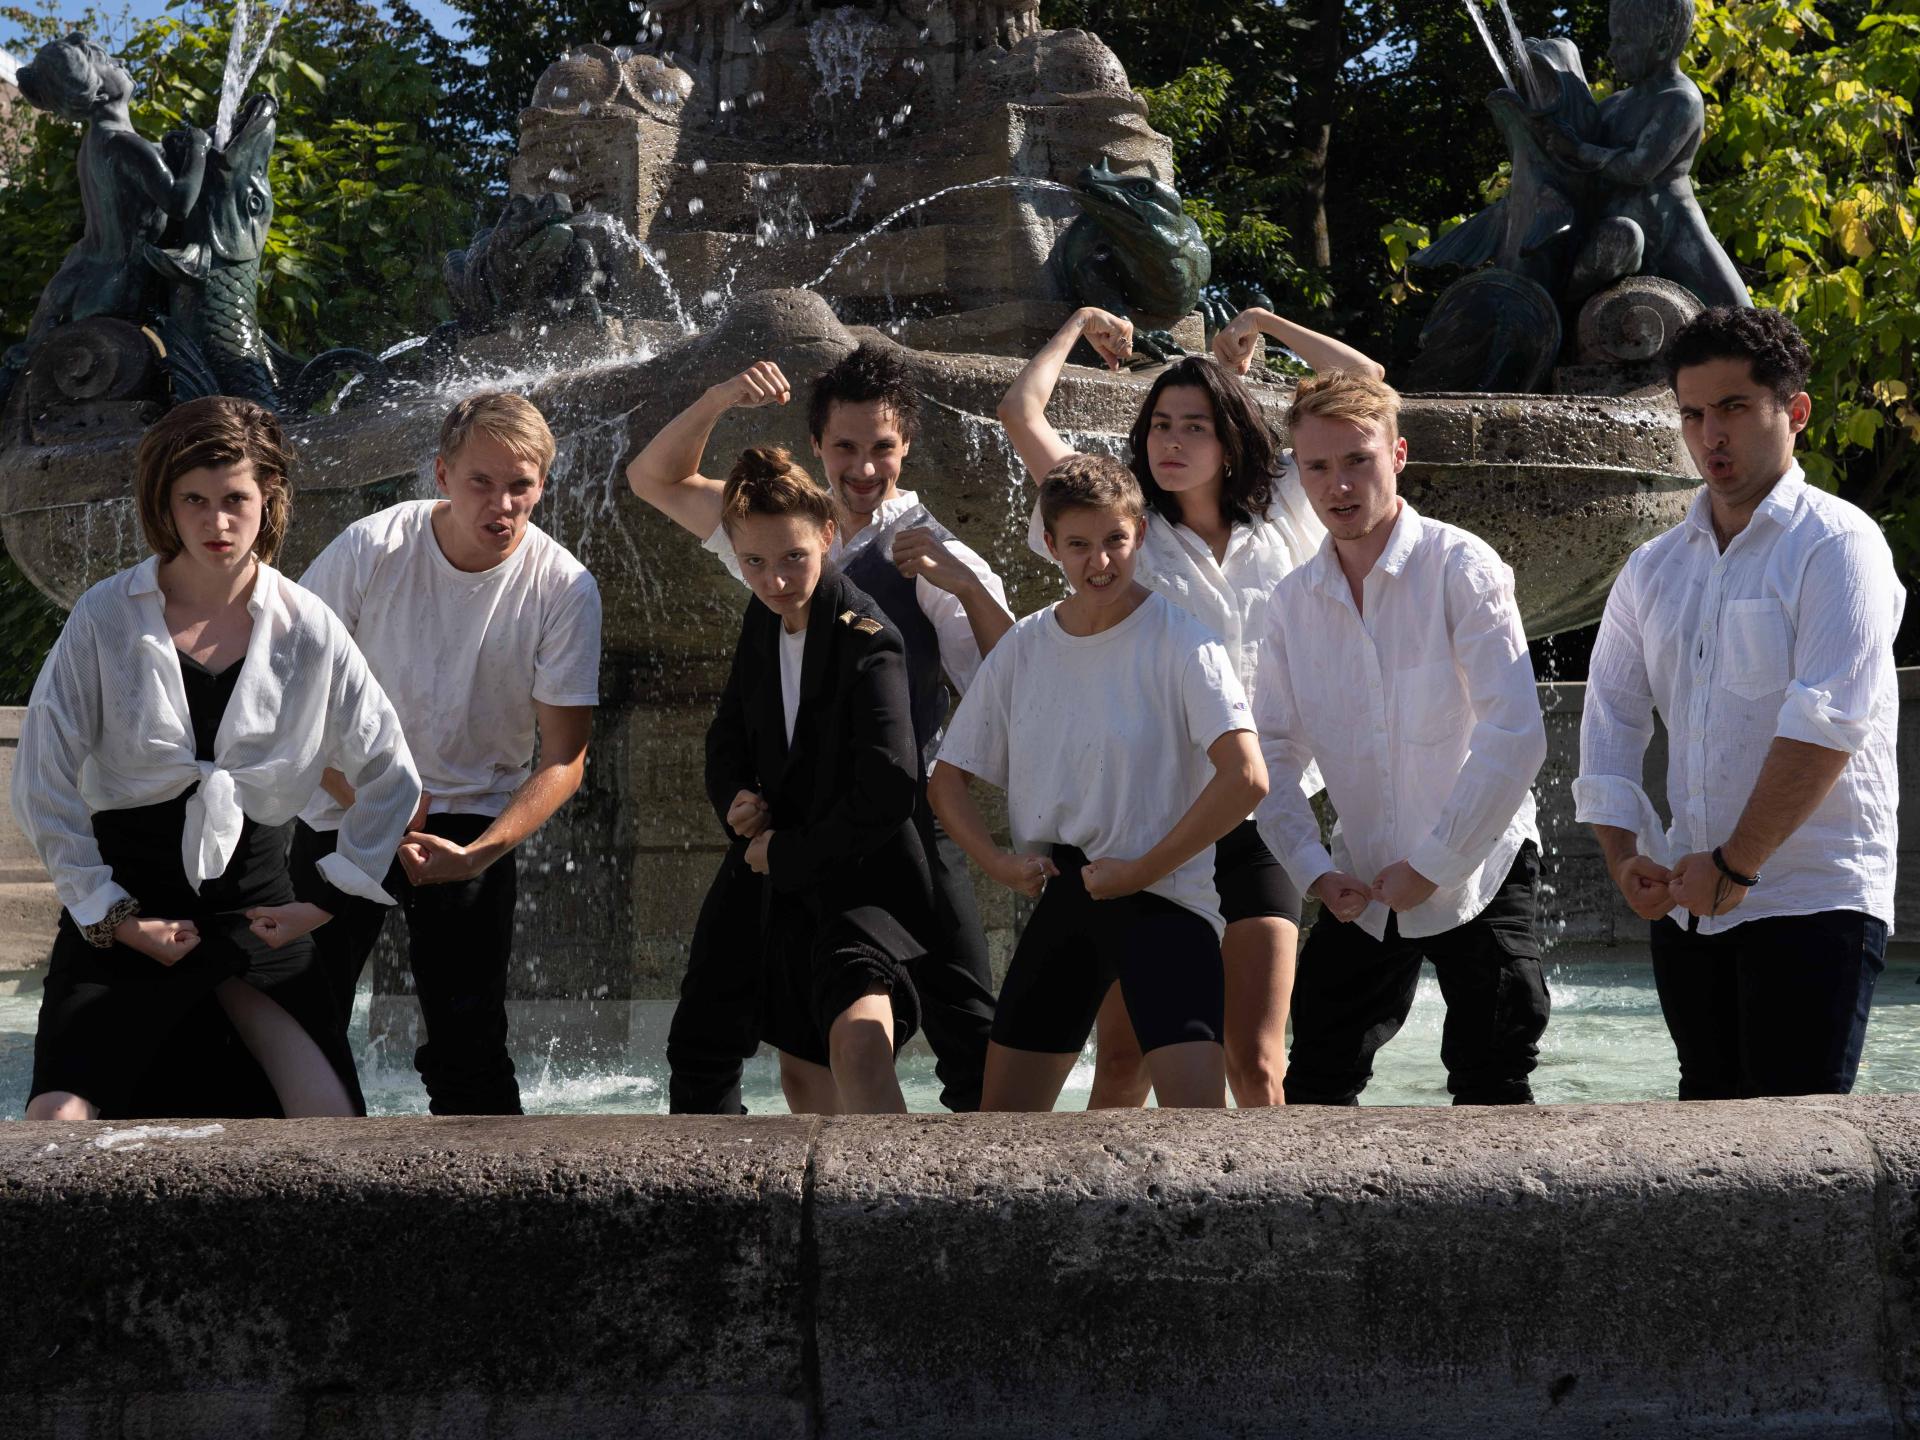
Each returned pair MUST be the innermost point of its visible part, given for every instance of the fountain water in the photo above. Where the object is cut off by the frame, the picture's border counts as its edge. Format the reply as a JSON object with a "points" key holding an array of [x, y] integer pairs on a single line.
{"points": [[242, 61], [1563, 487]]}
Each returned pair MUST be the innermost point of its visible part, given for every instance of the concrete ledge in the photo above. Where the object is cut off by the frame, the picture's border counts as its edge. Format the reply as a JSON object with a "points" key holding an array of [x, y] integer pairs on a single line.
{"points": [[1645, 1270]]}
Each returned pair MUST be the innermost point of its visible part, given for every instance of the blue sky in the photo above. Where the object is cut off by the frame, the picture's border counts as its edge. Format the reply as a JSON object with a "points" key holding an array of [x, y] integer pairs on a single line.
{"points": [[438, 13]]}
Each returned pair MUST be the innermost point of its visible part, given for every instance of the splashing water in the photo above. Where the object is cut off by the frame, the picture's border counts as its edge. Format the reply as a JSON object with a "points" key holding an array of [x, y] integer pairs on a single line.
{"points": [[995, 182], [242, 62], [840, 43], [624, 239]]}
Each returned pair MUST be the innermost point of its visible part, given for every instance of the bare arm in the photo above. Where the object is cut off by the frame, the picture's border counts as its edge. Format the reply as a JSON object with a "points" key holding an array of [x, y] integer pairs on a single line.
{"points": [[1023, 409], [666, 473], [950, 795], [1239, 783], [1233, 345], [1794, 779], [564, 730]]}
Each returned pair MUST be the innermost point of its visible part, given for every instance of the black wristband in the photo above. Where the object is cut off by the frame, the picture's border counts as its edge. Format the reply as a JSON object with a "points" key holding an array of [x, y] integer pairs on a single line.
{"points": [[1720, 863]]}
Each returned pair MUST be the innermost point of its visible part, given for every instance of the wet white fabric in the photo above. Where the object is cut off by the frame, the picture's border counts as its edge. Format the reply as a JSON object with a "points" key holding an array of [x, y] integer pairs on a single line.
{"points": [[793, 652], [108, 728], [959, 651], [1421, 713], [1787, 633], [1100, 741], [463, 656], [1228, 596]]}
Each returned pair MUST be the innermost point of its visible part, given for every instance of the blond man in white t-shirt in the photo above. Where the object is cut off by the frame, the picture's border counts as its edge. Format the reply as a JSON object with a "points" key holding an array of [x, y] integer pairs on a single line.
{"points": [[480, 627]]}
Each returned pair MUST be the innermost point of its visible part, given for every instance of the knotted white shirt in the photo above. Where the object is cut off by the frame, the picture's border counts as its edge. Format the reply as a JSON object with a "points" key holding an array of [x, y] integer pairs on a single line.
{"points": [[108, 728]]}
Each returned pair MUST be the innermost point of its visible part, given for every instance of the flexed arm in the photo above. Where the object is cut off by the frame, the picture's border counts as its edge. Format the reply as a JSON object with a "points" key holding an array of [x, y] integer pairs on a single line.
{"points": [[1233, 344], [666, 473], [1023, 409]]}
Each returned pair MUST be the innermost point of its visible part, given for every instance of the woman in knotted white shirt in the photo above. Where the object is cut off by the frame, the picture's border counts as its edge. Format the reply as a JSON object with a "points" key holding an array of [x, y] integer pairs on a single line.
{"points": [[181, 721]]}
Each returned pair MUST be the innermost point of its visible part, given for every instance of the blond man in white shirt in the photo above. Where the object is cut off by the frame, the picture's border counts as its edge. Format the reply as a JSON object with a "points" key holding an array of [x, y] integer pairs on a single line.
{"points": [[1761, 628], [1395, 661], [481, 627]]}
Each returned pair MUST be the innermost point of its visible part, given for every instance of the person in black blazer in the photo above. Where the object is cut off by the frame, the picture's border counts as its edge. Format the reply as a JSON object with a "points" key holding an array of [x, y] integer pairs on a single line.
{"points": [[824, 896]]}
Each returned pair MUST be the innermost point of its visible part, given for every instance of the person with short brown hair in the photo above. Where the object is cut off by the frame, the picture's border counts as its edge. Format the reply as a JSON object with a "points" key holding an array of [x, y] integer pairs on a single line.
{"points": [[1226, 518], [1394, 662], [824, 899], [1115, 725], [949, 607], [187, 711], [481, 627]]}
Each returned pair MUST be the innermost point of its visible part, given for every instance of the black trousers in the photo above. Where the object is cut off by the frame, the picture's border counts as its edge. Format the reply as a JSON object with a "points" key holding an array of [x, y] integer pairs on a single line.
{"points": [[1352, 994], [1775, 1006], [716, 1026], [459, 941]]}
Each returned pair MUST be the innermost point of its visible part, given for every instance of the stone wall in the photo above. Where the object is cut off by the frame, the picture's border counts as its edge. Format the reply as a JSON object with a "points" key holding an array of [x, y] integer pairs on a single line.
{"points": [[1646, 1270]]}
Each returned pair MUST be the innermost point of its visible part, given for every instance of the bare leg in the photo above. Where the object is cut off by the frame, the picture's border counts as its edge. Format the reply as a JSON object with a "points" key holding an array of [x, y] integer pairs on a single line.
{"points": [[1024, 1079], [1258, 954], [1189, 1076], [61, 1105], [1119, 1069], [809, 1088], [861, 1045], [299, 1073]]}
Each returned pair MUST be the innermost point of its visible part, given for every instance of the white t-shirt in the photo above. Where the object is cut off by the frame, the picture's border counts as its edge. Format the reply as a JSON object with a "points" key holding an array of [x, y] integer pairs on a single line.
{"points": [[959, 651], [1228, 596], [1100, 741], [793, 656], [463, 656]]}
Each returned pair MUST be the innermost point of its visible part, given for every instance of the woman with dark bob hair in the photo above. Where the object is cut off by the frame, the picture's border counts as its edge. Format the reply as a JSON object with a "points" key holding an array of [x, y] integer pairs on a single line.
{"points": [[181, 721], [1227, 518]]}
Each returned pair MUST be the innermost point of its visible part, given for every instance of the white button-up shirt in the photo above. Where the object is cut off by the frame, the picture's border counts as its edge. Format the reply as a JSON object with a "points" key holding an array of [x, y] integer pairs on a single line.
{"points": [[1421, 713], [108, 728], [959, 651], [1787, 632], [1228, 595]]}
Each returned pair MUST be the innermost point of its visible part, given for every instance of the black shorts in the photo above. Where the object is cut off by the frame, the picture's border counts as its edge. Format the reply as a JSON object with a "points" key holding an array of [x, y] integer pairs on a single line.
{"points": [[1166, 958], [816, 969], [1252, 884]]}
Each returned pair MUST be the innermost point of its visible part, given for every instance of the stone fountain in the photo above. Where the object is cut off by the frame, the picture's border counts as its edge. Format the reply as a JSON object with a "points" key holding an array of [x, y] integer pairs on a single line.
{"points": [[719, 199]]}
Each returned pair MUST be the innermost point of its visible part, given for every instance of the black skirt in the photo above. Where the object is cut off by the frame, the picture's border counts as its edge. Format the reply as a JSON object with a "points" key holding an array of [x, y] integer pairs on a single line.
{"points": [[140, 1039]]}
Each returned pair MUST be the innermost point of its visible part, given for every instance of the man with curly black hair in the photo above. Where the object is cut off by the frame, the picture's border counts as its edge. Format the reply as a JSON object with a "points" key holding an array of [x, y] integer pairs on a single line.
{"points": [[1761, 628]]}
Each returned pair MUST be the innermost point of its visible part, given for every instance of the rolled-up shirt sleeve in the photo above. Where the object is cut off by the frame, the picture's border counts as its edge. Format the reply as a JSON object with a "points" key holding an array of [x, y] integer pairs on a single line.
{"points": [[1616, 725], [1508, 743], [1850, 607], [959, 650], [61, 727], [370, 750], [1285, 818]]}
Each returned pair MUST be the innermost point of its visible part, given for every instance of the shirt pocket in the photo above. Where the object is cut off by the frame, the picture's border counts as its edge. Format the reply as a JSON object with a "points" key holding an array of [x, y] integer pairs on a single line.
{"points": [[1756, 649], [1432, 703]]}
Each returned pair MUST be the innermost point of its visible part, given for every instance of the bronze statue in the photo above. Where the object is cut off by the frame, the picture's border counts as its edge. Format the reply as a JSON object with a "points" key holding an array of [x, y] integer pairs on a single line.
{"points": [[1601, 193]]}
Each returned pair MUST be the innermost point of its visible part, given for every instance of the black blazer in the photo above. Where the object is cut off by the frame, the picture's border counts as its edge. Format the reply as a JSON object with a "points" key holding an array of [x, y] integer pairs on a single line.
{"points": [[842, 797]]}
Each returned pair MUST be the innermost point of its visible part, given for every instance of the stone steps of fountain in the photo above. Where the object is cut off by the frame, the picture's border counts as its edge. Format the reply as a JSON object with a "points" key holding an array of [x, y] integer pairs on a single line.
{"points": [[844, 198], [925, 265]]}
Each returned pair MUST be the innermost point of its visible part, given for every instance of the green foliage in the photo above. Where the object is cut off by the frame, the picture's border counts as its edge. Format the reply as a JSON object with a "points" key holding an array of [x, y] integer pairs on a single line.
{"points": [[1807, 177], [368, 193], [367, 196]]}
